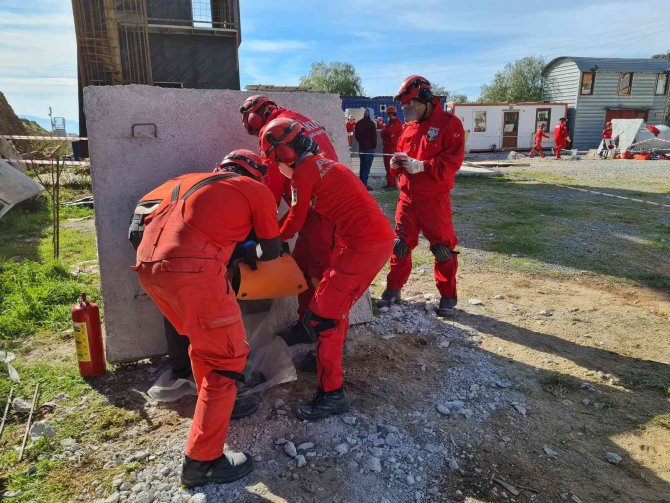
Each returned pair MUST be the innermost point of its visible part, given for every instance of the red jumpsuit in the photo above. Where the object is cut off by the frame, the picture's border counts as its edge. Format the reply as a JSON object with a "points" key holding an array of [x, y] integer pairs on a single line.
{"points": [[390, 136], [351, 126], [181, 262], [424, 204], [314, 247], [560, 137], [539, 134], [364, 240]]}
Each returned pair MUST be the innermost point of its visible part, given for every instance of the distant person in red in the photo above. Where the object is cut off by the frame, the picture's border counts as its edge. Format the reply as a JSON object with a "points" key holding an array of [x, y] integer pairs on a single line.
{"points": [[390, 136], [364, 237], [561, 136], [182, 261], [430, 152], [539, 134], [607, 143], [314, 246], [351, 125], [380, 123]]}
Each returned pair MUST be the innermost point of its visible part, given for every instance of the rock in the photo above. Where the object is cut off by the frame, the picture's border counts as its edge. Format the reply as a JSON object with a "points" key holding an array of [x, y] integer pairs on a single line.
{"points": [[377, 452], [499, 297], [280, 441], [468, 413], [544, 312], [613, 458], [410, 479], [576, 499], [279, 403], [198, 498], [384, 500], [113, 498], [301, 460], [453, 464], [139, 487], [69, 444], [289, 448], [520, 409], [373, 464], [342, 449], [350, 420], [21, 406], [41, 429], [126, 486], [139, 456], [550, 452], [444, 344], [117, 482], [432, 448], [586, 401], [443, 410], [475, 302], [383, 309], [305, 446]]}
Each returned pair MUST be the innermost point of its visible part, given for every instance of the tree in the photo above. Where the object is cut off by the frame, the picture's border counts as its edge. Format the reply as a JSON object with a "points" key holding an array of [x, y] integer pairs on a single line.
{"points": [[450, 96], [519, 81], [335, 77]]}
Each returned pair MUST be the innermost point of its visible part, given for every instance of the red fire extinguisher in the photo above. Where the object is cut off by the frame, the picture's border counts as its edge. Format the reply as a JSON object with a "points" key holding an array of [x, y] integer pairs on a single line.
{"points": [[88, 338]]}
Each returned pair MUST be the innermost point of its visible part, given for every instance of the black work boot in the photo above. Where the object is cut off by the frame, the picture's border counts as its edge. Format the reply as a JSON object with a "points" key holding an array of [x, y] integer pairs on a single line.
{"points": [[447, 307], [389, 297], [245, 406], [324, 404], [230, 467], [296, 334]]}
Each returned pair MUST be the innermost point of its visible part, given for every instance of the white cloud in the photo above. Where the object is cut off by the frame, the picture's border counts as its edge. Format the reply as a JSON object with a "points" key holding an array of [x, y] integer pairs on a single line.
{"points": [[273, 46]]}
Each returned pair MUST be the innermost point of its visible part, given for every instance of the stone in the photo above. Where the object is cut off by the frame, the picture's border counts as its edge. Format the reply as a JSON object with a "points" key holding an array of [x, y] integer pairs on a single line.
{"points": [[113, 498], [520, 409], [409, 479], [613, 457], [467, 413], [305, 446], [198, 498], [126, 486], [443, 410], [69, 444], [586, 401], [453, 464], [278, 403], [350, 420], [342, 449], [384, 500], [377, 452], [289, 448], [432, 448], [139, 487], [117, 482], [301, 461], [373, 464], [475, 302], [41, 429], [550, 452], [280, 441]]}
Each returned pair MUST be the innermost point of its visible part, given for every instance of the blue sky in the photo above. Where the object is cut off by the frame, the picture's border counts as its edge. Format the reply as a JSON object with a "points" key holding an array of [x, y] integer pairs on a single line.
{"points": [[459, 45]]}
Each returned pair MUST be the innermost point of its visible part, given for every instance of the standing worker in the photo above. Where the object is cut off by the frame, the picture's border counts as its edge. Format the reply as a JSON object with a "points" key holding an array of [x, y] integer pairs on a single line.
{"points": [[364, 240], [366, 136], [380, 123], [350, 125], [539, 134], [314, 246], [430, 152], [561, 136], [607, 144], [181, 260], [390, 136]]}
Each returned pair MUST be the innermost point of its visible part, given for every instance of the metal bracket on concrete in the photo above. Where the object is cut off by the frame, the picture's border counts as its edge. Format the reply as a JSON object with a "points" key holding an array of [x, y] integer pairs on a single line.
{"points": [[141, 133]]}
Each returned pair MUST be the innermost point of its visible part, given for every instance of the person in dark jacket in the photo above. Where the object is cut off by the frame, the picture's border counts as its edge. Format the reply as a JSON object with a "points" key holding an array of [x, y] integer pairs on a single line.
{"points": [[366, 136]]}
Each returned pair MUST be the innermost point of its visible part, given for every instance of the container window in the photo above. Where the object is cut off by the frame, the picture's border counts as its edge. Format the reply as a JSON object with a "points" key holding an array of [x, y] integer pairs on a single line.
{"points": [[661, 84], [543, 116], [588, 79], [480, 122], [625, 83]]}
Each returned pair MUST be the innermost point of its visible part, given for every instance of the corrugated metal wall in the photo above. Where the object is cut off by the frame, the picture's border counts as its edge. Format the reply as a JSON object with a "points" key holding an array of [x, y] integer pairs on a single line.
{"points": [[561, 84], [592, 109]]}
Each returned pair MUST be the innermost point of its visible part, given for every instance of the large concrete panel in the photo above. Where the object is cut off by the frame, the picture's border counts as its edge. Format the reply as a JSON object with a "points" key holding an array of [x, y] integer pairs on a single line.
{"points": [[185, 130]]}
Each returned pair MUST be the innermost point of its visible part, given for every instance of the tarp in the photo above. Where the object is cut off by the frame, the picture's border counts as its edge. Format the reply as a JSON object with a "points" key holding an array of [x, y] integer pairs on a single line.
{"points": [[632, 134], [15, 187]]}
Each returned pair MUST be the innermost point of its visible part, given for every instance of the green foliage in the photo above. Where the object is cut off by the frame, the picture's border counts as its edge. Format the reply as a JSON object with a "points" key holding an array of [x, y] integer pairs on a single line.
{"points": [[335, 77], [518, 81], [449, 95]]}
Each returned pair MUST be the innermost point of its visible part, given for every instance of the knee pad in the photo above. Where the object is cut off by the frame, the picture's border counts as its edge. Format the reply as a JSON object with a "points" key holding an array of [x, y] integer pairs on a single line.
{"points": [[400, 248], [442, 252], [315, 324]]}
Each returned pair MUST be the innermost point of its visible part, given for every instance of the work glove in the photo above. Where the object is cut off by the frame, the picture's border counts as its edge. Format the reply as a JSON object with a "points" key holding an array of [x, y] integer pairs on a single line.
{"points": [[410, 165], [285, 248], [249, 252]]}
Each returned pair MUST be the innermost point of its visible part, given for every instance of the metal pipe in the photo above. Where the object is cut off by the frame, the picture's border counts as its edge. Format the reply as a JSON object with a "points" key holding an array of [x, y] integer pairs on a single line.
{"points": [[4, 416], [30, 418]]}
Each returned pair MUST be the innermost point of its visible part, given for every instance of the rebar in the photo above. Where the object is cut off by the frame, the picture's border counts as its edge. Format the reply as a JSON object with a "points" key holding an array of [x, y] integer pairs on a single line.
{"points": [[30, 418], [4, 416]]}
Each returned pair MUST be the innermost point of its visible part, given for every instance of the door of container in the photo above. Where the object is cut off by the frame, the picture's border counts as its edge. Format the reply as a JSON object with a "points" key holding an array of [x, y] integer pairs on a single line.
{"points": [[510, 129]]}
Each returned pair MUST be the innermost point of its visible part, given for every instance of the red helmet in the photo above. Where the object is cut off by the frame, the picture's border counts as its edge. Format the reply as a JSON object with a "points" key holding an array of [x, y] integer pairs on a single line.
{"points": [[414, 87], [542, 125], [609, 124], [244, 162], [254, 113], [276, 140], [391, 110]]}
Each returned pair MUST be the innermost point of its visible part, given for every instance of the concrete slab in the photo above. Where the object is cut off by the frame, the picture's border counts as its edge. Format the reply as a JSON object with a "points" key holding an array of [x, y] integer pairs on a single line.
{"points": [[15, 187], [175, 131]]}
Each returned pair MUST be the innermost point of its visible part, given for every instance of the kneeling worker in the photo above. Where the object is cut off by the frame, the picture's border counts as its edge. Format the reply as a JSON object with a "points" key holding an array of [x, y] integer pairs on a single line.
{"points": [[364, 239], [181, 260]]}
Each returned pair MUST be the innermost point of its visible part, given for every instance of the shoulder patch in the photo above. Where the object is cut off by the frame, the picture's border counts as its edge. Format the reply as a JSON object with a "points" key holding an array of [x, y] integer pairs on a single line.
{"points": [[432, 133]]}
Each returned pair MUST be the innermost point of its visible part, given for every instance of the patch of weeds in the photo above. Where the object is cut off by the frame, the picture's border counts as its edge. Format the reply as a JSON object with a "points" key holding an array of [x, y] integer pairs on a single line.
{"points": [[639, 381], [558, 384], [605, 403], [662, 420]]}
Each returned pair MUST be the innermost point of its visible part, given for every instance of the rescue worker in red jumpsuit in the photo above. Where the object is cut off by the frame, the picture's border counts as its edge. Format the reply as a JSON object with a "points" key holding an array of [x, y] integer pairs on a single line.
{"points": [[380, 123], [430, 152], [607, 144], [314, 246], [364, 240], [181, 261], [351, 125], [539, 134], [561, 136], [390, 136]]}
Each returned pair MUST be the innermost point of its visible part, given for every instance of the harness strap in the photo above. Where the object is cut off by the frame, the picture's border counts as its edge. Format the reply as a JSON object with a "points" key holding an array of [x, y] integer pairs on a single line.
{"points": [[175, 192], [235, 376], [206, 181]]}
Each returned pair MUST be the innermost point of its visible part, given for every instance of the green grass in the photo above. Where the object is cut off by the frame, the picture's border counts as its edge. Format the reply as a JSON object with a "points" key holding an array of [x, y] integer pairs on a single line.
{"points": [[641, 381]]}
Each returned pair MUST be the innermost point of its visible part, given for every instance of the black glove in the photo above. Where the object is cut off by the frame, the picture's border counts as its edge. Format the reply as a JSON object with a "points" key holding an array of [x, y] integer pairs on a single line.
{"points": [[248, 252]]}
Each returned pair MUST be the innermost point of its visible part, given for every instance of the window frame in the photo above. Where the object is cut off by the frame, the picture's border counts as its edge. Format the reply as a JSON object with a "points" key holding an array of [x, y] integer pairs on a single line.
{"points": [[665, 88], [593, 84], [548, 122], [630, 84], [474, 121]]}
